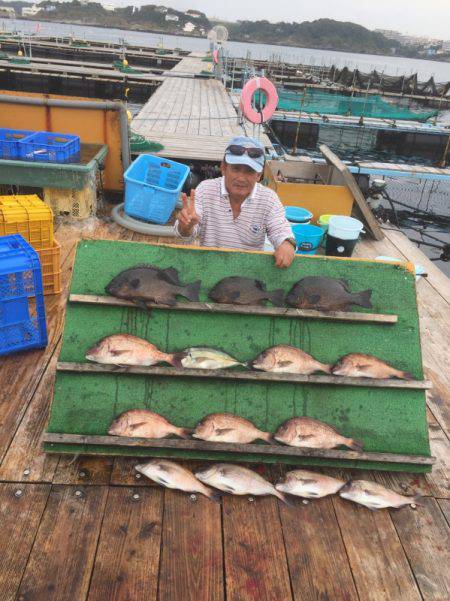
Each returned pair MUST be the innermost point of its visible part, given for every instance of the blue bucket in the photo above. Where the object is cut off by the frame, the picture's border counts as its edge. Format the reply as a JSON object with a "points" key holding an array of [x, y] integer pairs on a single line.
{"points": [[308, 238], [298, 214]]}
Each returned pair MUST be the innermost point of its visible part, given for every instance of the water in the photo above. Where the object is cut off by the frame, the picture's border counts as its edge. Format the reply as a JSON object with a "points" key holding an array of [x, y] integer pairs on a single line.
{"points": [[391, 65]]}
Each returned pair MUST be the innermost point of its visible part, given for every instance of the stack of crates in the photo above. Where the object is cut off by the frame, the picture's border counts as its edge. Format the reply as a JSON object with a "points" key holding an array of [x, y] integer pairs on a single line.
{"points": [[22, 321], [29, 216]]}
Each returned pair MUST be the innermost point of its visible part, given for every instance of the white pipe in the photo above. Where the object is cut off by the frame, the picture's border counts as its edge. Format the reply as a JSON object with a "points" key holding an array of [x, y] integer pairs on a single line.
{"points": [[150, 229]]}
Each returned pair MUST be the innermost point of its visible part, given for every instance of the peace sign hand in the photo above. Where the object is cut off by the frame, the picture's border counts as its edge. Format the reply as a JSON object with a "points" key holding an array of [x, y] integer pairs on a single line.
{"points": [[187, 217]]}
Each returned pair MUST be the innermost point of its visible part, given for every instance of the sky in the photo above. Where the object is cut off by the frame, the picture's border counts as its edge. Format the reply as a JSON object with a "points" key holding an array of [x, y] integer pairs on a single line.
{"points": [[429, 18]]}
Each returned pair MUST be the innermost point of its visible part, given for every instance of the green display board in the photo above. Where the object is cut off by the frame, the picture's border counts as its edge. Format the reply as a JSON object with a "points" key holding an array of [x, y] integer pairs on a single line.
{"points": [[388, 420]]}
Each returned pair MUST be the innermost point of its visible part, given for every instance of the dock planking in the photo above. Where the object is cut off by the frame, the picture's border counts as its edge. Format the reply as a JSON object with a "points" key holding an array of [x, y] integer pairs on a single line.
{"points": [[352, 549]]}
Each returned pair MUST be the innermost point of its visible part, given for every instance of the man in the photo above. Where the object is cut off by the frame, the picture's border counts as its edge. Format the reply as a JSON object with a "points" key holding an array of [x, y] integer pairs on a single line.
{"points": [[235, 211]]}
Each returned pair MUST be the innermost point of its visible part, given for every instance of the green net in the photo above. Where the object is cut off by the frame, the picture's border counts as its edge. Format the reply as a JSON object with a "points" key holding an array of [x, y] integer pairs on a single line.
{"points": [[327, 103], [140, 144]]}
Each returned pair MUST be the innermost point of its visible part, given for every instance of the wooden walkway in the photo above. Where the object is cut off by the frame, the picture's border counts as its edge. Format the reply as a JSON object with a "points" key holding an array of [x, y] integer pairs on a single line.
{"points": [[192, 118], [87, 529]]}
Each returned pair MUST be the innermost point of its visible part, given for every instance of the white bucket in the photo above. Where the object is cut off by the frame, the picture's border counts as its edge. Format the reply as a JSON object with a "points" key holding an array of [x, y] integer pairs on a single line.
{"points": [[344, 228]]}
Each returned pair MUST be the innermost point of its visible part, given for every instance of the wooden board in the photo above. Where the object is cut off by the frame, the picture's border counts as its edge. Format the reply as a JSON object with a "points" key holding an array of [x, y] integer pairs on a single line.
{"points": [[127, 559], [191, 559], [255, 561], [21, 508], [316, 555], [63, 553]]}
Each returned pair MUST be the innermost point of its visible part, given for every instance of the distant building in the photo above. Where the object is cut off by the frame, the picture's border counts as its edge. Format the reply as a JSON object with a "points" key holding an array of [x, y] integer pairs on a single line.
{"points": [[109, 7], [30, 11], [170, 17], [6, 11], [195, 14], [390, 34], [446, 46], [189, 27], [161, 9]]}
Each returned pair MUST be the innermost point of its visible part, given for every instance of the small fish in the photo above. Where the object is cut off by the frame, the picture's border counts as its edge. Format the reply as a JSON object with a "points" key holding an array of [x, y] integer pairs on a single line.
{"points": [[171, 475], [375, 496], [143, 423], [245, 291], [288, 360], [227, 427], [125, 349], [312, 433], [147, 283], [326, 294], [238, 480], [358, 365], [303, 483], [204, 358]]}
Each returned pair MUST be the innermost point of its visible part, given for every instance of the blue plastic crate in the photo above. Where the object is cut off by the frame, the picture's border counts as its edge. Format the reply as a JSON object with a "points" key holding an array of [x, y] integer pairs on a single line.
{"points": [[9, 142], [22, 324], [152, 187], [49, 147]]}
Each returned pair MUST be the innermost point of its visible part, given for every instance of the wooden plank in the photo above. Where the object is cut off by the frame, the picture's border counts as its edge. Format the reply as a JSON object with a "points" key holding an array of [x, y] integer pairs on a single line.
{"points": [[350, 182], [201, 445], [240, 309], [255, 560], [61, 560], [318, 564], [444, 504], [243, 375], [425, 536], [21, 508], [377, 560], [191, 565], [127, 558], [439, 479]]}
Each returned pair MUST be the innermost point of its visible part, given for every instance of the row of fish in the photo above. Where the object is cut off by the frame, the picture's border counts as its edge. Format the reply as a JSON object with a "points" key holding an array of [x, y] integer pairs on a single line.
{"points": [[230, 428], [144, 284], [238, 480], [128, 350]]}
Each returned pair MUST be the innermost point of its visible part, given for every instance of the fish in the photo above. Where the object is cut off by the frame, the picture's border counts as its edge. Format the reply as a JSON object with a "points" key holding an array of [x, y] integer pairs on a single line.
{"points": [[172, 475], [236, 290], [143, 423], [204, 358], [285, 359], [146, 284], [125, 349], [303, 483], [238, 480], [358, 365], [326, 294], [375, 496], [312, 433], [227, 427]]}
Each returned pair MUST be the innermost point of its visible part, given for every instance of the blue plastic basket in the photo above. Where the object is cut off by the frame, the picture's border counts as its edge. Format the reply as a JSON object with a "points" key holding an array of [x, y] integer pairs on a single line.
{"points": [[22, 326], [9, 142], [49, 147], [152, 187]]}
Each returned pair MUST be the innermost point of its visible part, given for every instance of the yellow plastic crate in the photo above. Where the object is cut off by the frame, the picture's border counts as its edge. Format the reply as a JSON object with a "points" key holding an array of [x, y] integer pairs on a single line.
{"points": [[50, 259], [29, 216]]}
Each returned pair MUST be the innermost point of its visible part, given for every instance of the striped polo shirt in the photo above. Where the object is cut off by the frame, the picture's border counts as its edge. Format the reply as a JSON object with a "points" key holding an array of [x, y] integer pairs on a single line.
{"points": [[261, 213]]}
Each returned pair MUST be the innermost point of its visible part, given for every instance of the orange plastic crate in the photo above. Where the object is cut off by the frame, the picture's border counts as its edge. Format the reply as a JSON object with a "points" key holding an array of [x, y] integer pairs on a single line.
{"points": [[50, 259], [29, 216]]}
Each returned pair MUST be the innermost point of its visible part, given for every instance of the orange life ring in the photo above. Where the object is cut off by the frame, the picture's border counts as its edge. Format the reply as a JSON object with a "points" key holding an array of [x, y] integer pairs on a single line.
{"points": [[254, 84]]}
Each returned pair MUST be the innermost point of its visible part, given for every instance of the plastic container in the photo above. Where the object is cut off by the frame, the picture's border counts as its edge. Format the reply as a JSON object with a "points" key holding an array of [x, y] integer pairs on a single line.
{"points": [[29, 216], [152, 187], [323, 221], [9, 142], [308, 238], [344, 228], [22, 325], [50, 259], [298, 214], [49, 147]]}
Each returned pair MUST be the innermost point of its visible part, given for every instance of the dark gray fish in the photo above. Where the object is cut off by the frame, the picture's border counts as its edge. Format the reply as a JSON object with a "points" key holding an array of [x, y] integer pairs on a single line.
{"points": [[326, 294], [147, 283], [235, 290]]}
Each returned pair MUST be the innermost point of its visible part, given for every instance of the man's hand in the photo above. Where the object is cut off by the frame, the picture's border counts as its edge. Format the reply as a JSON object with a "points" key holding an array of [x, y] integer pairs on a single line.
{"points": [[187, 217], [284, 254]]}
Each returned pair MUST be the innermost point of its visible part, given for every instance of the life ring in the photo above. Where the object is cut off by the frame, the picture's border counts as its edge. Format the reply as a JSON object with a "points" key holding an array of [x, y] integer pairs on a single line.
{"points": [[254, 84]]}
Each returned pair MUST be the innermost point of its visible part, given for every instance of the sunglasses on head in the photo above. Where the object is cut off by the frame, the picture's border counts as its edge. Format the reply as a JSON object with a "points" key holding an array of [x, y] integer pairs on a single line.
{"points": [[253, 153]]}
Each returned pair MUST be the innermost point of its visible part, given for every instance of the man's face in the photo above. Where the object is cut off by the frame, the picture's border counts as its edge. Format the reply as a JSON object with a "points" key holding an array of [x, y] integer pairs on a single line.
{"points": [[239, 179]]}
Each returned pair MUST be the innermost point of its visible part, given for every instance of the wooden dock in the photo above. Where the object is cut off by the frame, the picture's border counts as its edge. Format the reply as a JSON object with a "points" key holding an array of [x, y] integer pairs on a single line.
{"points": [[87, 528], [192, 118]]}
